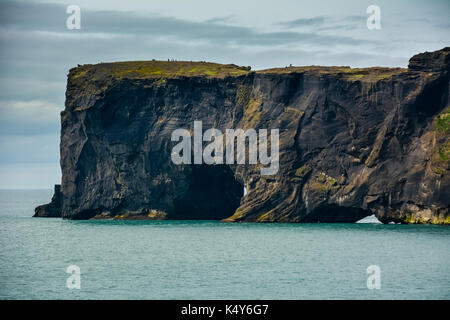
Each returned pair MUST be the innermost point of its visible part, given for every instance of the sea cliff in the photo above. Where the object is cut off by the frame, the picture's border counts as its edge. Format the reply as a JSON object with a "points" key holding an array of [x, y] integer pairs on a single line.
{"points": [[353, 142]]}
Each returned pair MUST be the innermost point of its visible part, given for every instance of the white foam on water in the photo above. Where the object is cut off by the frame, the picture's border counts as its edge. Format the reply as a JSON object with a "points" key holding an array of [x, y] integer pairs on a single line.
{"points": [[369, 219]]}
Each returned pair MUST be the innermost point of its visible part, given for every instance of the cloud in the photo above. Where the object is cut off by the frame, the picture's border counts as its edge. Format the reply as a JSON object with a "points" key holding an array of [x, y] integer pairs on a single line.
{"points": [[302, 22], [39, 148], [323, 23], [28, 88], [29, 117], [30, 175], [51, 17], [218, 20]]}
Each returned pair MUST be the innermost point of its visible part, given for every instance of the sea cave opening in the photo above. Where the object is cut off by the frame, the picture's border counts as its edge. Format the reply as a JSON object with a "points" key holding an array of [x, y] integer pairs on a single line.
{"points": [[213, 193]]}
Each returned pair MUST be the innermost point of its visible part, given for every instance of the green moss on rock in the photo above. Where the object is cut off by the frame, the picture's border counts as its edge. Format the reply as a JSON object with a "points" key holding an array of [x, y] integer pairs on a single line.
{"points": [[243, 95], [157, 69], [302, 171], [252, 112], [443, 121]]}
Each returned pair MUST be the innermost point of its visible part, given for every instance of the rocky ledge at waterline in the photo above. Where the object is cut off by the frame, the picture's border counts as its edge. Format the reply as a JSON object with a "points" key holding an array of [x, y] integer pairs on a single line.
{"points": [[352, 143]]}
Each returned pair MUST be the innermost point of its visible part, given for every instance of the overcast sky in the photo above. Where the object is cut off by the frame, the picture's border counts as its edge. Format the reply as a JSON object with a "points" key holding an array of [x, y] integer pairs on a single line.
{"points": [[37, 50]]}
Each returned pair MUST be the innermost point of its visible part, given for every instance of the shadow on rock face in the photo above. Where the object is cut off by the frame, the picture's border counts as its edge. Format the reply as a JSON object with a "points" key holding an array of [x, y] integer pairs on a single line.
{"points": [[334, 213]]}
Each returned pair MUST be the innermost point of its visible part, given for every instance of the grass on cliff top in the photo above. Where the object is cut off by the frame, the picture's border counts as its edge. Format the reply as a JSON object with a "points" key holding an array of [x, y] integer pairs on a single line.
{"points": [[350, 74], [174, 69], [158, 69]]}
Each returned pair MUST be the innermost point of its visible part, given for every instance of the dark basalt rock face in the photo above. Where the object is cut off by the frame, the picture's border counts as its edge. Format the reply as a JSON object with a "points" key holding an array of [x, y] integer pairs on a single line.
{"points": [[53, 209], [353, 142]]}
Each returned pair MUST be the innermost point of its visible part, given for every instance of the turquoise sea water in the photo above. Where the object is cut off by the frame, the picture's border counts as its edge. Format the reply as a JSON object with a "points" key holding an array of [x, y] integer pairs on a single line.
{"points": [[213, 260]]}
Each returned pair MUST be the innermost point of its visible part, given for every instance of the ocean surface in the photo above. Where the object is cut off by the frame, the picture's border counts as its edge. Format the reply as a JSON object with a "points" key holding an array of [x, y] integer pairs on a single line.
{"points": [[213, 260]]}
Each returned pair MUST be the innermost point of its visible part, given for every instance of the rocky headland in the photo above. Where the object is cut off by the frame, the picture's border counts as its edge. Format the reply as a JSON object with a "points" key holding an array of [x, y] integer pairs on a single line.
{"points": [[353, 142]]}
